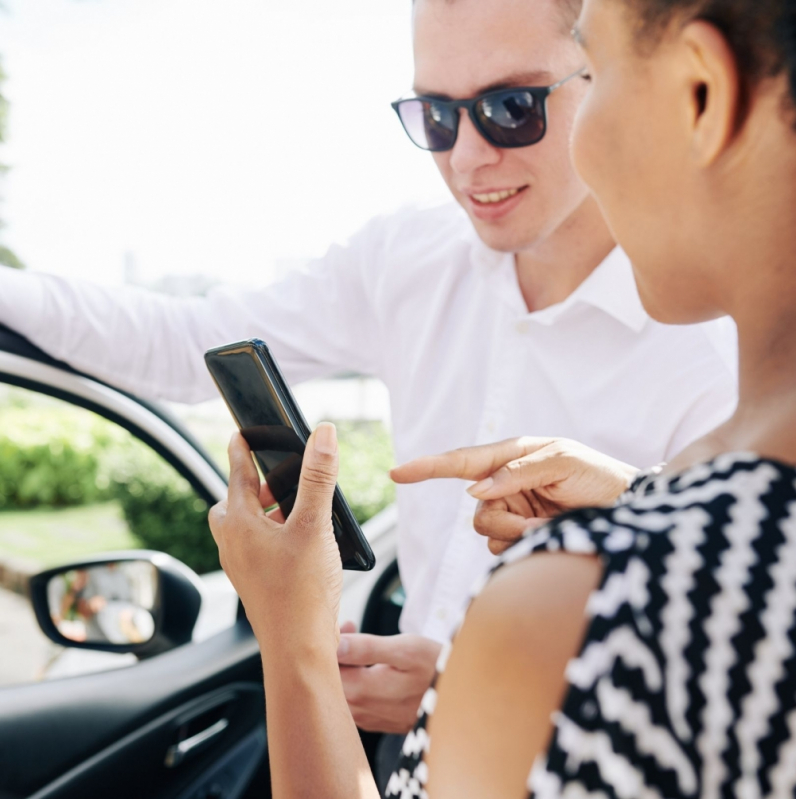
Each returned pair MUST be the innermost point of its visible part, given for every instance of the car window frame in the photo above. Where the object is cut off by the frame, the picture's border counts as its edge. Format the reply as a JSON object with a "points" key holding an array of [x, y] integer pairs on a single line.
{"points": [[15, 345]]}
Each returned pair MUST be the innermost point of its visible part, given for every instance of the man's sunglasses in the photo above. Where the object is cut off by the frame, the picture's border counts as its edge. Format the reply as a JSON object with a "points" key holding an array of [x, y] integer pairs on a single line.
{"points": [[505, 117]]}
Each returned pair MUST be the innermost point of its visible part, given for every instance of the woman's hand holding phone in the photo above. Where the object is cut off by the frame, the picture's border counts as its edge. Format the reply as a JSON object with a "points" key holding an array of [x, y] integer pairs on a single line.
{"points": [[272, 424], [524, 482], [289, 577], [287, 573]]}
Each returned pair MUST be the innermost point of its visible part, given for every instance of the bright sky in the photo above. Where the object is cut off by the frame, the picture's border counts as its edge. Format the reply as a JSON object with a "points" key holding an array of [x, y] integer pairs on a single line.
{"points": [[209, 136]]}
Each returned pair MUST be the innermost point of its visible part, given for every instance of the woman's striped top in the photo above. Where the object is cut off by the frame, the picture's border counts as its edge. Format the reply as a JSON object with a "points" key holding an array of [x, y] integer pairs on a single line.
{"points": [[685, 685]]}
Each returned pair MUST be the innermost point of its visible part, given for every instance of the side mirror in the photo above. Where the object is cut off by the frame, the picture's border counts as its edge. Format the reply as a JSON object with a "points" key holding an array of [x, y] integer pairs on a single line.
{"points": [[139, 601]]}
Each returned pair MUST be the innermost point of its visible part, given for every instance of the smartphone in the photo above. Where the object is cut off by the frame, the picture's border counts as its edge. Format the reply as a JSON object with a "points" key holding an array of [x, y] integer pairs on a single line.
{"points": [[270, 420]]}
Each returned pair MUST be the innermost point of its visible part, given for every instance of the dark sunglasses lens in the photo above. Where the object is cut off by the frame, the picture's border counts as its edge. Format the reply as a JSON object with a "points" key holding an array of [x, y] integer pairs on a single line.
{"points": [[430, 125], [512, 118]]}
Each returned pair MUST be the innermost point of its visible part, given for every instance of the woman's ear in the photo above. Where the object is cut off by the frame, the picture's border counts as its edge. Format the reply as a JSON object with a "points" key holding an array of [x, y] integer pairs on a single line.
{"points": [[715, 86]]}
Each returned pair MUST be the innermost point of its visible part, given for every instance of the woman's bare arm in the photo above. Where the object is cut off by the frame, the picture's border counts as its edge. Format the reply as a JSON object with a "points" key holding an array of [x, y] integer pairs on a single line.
{"points": [[289, 578], [505, 677], [313, 744]]}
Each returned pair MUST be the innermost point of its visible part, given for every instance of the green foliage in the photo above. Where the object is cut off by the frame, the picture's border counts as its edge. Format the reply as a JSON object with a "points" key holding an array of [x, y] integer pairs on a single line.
{"points": [[162, 509], [3, 104], [166, 515], [69, 457], [47, 462], [169, 519], [62, 456], [366, 458], [7, 257]]}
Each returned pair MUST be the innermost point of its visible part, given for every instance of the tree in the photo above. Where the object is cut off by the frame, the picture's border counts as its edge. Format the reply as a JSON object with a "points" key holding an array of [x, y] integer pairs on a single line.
{"points": [[7, 257]]}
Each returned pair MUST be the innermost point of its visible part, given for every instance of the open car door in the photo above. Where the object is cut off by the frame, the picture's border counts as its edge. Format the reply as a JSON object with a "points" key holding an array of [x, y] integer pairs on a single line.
{"points": [[187, 723]]}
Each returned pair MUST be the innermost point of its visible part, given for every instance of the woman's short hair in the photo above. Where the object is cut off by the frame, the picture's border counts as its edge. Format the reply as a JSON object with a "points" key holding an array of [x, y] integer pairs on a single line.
{"points": [[762, 33]]}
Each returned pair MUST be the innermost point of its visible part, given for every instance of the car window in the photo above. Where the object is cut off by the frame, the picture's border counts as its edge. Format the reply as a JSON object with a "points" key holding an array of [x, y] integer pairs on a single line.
{"points": [[74, 484]]}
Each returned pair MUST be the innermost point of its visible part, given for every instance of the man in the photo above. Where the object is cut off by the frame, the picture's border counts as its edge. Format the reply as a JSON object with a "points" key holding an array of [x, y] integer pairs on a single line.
{"points": [[442, 304]]}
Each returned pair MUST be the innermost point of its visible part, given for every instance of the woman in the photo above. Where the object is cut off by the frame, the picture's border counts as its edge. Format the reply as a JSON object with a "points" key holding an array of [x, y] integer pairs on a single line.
{"points": [[681, 675]]}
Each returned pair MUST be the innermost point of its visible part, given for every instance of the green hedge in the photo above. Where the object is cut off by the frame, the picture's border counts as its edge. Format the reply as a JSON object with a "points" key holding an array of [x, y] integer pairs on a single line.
{"points": [[61, 457], [165, 514], [49, 460], [66, 457], [161, 508], [366, 458], [170, 519]]}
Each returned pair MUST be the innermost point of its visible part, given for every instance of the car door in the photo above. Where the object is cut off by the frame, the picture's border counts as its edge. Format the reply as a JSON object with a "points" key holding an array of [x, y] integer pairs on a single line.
{"points": [[115, 732], [111, 733]]}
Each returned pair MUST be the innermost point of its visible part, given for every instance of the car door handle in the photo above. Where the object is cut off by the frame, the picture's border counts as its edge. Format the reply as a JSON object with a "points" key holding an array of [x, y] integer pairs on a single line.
{"points": [[178, 752]]}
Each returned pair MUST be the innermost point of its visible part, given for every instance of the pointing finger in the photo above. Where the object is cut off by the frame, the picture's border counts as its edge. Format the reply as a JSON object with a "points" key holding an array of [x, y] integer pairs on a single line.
{"points": [[468, 463]]}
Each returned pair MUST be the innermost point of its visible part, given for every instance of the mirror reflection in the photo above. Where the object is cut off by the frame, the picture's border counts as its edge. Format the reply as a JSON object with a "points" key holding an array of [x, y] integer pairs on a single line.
{"points": [[110, 603]]}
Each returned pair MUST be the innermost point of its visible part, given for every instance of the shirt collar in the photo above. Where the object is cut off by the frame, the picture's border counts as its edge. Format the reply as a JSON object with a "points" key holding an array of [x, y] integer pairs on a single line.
{"points": [[611, 287]]}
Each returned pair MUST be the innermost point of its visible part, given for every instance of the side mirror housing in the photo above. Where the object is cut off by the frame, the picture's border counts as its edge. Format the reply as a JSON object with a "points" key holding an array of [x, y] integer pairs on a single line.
{"points": [[140, 602]]}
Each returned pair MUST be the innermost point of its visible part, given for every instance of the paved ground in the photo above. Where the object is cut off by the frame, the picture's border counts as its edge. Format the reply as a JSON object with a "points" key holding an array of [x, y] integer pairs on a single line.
{"points": [[24, 651]]}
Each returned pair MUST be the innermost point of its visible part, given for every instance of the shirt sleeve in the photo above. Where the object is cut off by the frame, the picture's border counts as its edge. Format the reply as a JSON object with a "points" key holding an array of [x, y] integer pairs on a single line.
{"points": [[319, 321]]}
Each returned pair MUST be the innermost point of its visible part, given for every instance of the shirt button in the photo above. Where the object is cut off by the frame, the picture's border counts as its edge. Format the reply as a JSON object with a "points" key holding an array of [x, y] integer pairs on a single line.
{"points": [[442, 614], [521, 327], [490, 427]]}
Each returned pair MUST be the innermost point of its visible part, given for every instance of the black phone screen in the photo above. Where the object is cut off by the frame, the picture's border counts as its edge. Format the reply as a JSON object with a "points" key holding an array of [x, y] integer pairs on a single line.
{"points": [[274, 428], [275, 445]]}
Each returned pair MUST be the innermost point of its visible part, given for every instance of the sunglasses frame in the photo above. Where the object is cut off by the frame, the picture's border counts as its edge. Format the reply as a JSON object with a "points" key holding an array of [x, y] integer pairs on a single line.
{"points": [[539, 93]]}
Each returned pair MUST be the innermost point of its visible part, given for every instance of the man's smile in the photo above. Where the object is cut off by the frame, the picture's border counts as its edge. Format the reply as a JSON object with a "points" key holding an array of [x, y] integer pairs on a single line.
{"points": [[494, 196], [493, 203]]}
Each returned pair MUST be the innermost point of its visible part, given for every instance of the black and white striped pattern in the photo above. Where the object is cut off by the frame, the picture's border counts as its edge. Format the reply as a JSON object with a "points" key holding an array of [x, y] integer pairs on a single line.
{"points": [[686, 682]]}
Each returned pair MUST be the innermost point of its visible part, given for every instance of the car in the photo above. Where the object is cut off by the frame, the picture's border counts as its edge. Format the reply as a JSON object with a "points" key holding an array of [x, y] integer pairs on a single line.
{"points": [[184, 717]]}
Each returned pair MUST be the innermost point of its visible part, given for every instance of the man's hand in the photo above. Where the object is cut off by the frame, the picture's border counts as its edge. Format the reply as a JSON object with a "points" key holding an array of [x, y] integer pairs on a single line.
{"points": [[524, 482], [385, 677]]}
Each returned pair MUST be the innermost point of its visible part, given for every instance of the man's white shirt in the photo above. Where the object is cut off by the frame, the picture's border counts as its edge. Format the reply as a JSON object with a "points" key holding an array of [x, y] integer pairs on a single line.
{"points": [[417, 300]]}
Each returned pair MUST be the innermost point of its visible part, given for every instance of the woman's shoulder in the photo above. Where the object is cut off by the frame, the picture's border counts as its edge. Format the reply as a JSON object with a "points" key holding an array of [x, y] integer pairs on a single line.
{"points": [[696, 609]]}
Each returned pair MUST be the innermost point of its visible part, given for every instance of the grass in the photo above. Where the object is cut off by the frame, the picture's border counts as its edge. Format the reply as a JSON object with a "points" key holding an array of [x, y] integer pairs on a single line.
{"points": [[48, 537]]}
